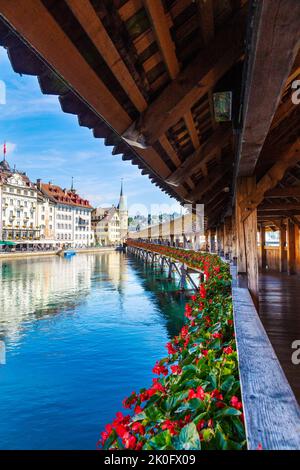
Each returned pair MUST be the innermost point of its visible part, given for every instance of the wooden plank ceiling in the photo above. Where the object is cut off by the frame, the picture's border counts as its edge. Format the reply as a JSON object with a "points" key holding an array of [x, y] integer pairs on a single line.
{"points": [[141, 74]]}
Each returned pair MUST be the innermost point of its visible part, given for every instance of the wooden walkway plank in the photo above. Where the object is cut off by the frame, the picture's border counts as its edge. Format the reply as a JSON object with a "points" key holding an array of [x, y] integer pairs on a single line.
{"points": [[272, 414]]}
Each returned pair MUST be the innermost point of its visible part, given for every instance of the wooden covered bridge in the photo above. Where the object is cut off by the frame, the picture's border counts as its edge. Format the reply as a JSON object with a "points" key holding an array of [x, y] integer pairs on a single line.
{"points": [[203, 96]]}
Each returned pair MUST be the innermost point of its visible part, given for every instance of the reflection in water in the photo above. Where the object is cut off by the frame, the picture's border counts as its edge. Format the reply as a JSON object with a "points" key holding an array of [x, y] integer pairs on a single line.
{"points": [[80, 335]]}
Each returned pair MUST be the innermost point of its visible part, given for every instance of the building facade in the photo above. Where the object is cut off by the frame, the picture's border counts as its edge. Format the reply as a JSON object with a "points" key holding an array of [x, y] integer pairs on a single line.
{"points": [[106, 226], [19, 200], [110, 225], [41, 214], [71, 216]]}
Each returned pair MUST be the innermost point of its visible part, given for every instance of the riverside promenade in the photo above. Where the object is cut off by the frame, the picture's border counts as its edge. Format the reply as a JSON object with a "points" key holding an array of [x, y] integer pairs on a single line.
{"points": [[37, 254]]}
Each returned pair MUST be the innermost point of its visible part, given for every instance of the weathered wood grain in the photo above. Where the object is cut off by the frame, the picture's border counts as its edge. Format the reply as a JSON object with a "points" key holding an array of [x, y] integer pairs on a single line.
{"points": [[272, 414]]}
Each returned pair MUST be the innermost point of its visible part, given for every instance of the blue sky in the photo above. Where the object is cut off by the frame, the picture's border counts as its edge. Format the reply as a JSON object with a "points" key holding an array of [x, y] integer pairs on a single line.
{"points": [[49, 144]]}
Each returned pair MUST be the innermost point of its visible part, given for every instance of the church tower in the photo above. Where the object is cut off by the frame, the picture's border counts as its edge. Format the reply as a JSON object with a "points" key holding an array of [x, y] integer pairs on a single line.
{"points": [[123, 214]]}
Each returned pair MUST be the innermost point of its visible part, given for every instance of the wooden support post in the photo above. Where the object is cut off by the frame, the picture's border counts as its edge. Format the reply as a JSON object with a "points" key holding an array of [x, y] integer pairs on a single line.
{"points": [[172, 227], [263, 254], [212, 241], [246, 232], [291, 252], [219, 239], [228, 237], [282, 250]]}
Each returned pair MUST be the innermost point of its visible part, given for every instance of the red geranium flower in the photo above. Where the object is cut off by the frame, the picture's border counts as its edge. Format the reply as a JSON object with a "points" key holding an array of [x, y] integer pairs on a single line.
{"points": [[129, 441], [138, 428], [228, 350], [171, 426], [170, 348], [158, 369], [176, 370], [235, 403], [202, 291]]}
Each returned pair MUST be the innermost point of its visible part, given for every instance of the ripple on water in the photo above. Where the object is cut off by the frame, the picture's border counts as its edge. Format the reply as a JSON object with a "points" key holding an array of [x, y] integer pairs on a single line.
{"points": [[80, 335]]}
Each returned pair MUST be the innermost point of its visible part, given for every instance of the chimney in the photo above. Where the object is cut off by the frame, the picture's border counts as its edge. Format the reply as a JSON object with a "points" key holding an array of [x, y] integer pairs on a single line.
{"points": [[39, 183]]}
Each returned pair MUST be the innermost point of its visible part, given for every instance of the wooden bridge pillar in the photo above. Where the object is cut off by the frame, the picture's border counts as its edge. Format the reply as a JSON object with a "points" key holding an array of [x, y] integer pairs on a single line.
{"points": [[227, 237], [263, 254], [282, 249], [246, 232], [212, 240], [291, 248]]}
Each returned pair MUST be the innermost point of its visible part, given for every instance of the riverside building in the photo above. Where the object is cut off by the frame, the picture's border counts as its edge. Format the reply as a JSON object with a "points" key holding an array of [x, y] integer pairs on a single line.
{"points": [[110, 224], [41, 215], [18, 200], [71, 219]]}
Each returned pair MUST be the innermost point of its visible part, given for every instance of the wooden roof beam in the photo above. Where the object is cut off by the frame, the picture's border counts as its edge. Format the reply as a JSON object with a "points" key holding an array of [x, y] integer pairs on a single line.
{"points": [[190, 125], [158, 19], [40, 30], [201, 156], [91, 23], [286, 159], [191, 83], [277, 214], [211, 181], [206, 16], [291, 191], [274, 44], [288, 206]]}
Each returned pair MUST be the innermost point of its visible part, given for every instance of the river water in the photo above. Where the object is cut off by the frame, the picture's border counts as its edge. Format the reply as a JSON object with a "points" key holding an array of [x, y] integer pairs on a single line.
{"points": [[80, 335]]}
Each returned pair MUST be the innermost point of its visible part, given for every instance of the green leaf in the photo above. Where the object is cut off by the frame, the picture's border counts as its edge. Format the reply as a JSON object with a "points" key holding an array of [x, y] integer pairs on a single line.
{"points": [[227, 384], [188, 438], [153, 413], [213, 379], [228, 412], [221, 438], [207, 434], [139, 417], [160, 441]]}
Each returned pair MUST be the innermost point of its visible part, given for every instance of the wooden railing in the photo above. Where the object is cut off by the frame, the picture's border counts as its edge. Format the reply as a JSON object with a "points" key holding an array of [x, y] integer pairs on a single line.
{"points": [[272, 414]]}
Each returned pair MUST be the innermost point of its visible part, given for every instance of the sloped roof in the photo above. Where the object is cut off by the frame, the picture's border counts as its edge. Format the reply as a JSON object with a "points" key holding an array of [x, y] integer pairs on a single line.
{"points": [[65, 197]]}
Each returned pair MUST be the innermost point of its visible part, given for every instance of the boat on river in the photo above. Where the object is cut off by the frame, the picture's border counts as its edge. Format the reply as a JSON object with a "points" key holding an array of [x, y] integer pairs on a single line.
{"points": [[66, 253]]}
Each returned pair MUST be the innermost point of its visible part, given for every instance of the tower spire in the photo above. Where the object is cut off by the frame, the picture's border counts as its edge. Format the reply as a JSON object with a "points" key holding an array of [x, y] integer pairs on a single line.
{"points": [[122, 201]]}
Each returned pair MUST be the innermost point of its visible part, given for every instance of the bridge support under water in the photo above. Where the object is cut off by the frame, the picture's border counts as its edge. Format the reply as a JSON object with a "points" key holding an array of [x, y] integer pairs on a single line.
{"points": [[165, 262]]}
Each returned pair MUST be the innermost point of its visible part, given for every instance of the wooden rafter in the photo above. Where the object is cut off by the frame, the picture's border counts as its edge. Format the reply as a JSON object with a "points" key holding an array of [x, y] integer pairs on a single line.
{"points": [[285, 160], [201, 156], [161, 29], [206, 17], [291, 191], [194, 81], [91, 23], [277, 214], [63, 56], [273, 52], [288, 206], [190, 124], [211, 180]]}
